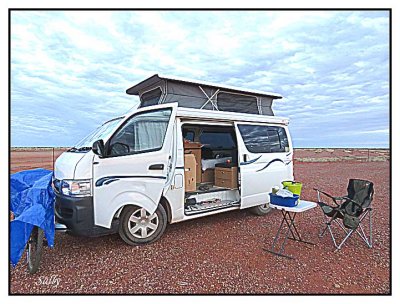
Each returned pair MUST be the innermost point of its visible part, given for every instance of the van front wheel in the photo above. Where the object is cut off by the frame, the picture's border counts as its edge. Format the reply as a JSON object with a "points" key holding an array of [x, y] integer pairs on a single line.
{"points": [[261, 209], [139, 227]]}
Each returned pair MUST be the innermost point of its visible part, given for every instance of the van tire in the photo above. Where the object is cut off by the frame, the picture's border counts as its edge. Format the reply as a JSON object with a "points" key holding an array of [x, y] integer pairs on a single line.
{"points": [[261, 209], [133, 217]]}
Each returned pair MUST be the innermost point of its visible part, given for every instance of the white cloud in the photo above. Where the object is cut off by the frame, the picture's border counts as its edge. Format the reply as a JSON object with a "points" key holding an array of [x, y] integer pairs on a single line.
{"points": [[288, 19], [79, 39], [375, 23], [331, 67], [383, 131]]}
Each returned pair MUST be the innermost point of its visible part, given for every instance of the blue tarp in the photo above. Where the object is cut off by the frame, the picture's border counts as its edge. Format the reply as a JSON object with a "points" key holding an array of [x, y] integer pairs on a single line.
{"points": [[32, 202]]}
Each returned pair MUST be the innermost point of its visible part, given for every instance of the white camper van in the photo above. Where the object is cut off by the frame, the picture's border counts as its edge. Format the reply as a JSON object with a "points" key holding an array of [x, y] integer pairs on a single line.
{"points": [[191, 149]]}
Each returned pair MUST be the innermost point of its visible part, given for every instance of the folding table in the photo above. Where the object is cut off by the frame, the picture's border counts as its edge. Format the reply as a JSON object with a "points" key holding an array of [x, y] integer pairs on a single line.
{"points": [[288, 217]]}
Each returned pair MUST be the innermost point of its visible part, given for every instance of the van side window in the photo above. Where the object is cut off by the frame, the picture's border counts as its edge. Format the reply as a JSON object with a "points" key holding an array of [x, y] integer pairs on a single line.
{"points": [[143, 132], [264, 139], [150, 98], [237, 103]]}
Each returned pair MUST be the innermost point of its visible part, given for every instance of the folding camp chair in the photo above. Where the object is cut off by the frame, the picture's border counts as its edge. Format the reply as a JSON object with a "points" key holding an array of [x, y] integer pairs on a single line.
{"points": [[349, 211]]}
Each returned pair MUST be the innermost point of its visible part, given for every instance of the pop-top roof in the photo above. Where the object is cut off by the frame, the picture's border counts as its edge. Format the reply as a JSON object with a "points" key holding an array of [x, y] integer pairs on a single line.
{"points": [[149, 82], [202, 95]]}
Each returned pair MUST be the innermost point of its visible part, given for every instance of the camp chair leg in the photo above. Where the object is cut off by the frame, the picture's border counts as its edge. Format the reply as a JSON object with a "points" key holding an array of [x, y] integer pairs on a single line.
{"points": [[367, 240], [370, 228], [327, 222], [323, 231], [342, 227], [363, 236], [332, 236], [346, 233], [344, 240]]}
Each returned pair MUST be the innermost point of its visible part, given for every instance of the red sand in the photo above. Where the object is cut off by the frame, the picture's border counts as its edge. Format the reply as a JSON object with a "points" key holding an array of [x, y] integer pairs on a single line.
{"points": [[28, 159], [223, 253]]}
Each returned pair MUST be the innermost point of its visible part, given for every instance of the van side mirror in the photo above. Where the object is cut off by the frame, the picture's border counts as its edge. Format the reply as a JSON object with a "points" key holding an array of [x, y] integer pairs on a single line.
{"points": [[98, 148]]}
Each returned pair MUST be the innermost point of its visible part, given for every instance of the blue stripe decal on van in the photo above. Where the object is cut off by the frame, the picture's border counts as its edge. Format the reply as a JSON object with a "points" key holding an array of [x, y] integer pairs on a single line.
{"points": [[109, 179], [250, 161], [272, 161]]}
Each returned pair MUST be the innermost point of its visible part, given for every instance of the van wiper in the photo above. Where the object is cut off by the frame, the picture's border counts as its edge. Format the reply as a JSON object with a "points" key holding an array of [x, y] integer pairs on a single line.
{"points": [[84, 149], [81, 149]]}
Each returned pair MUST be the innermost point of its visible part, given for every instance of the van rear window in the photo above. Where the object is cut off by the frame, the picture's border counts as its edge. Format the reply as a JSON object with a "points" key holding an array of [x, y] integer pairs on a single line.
{"points": [[264, 139]]}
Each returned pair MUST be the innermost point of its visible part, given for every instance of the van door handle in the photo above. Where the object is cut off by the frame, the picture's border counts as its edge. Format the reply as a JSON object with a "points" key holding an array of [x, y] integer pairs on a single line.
{"points": [[156, 167]]}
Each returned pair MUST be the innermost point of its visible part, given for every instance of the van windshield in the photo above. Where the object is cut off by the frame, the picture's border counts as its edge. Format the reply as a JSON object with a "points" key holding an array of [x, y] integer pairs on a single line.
{"points": [[101, 132]]}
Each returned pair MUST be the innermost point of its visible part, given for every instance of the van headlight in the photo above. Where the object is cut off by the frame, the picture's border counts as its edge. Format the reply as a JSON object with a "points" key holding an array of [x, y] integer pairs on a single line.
{"points": [[76, 187]]}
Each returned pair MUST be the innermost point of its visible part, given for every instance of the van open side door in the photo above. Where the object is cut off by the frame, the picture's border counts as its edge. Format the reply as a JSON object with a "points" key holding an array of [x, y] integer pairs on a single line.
{"points": [[262, 165]]}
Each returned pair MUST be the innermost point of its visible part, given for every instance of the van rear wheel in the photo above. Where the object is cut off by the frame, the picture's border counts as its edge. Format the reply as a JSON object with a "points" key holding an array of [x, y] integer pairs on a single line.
{"points": [[138, 227], [261, 209]]}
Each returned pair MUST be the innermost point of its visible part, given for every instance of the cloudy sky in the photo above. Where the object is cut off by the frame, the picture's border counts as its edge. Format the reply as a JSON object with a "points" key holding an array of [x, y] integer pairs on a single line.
{"points": [[70, 70]]}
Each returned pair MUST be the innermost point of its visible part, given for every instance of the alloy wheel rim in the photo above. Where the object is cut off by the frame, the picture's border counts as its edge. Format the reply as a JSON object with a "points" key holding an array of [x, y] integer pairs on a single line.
{"points": [[142, 224]]}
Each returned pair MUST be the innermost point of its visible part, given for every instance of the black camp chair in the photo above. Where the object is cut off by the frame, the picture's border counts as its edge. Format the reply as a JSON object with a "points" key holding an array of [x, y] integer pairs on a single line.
{"points": [[349, 211]]}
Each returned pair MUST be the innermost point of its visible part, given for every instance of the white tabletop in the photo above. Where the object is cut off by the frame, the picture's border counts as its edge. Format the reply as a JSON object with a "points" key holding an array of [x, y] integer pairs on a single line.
{"points": [[301, 206]]}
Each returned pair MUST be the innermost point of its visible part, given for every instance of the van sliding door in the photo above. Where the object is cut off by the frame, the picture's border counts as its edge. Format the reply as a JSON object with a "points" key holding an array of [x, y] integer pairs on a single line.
{"points": [[265, 160]]}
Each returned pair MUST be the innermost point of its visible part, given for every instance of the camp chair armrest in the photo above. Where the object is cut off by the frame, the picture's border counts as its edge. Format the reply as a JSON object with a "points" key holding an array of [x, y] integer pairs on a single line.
{"points": [[334, 198], [339, 198], [348, 198]]}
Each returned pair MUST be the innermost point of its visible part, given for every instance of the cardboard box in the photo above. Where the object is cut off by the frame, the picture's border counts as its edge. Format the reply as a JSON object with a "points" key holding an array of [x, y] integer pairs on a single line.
{"points": [[190, 172], [191, 145], [207, 176], [195, 149]]}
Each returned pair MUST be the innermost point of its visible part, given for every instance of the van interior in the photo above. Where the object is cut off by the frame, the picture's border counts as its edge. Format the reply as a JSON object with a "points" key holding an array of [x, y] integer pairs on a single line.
{"points": [[211, 168]]}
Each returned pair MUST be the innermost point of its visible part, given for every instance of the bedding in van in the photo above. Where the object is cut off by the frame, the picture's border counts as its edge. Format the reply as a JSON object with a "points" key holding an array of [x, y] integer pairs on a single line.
{"points": [[210, 163]]}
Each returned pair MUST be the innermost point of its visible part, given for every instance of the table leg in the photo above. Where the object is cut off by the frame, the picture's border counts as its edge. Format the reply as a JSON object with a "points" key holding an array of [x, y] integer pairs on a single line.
{"points": [[282, 247], [297, 238], [292, 229], [278, 233], [284, 213]]}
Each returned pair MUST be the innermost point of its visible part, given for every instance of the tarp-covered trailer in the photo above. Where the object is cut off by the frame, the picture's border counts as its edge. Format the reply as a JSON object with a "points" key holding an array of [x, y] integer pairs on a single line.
{"points": [[187, 93]]}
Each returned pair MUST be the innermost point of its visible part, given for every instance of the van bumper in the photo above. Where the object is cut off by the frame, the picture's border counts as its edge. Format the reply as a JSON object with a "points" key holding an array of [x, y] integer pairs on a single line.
{"points": [[77, 213]]}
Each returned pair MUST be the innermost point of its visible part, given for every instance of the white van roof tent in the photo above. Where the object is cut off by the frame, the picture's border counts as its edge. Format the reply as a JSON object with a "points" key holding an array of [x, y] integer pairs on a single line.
{"points": [[196, 94]]}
